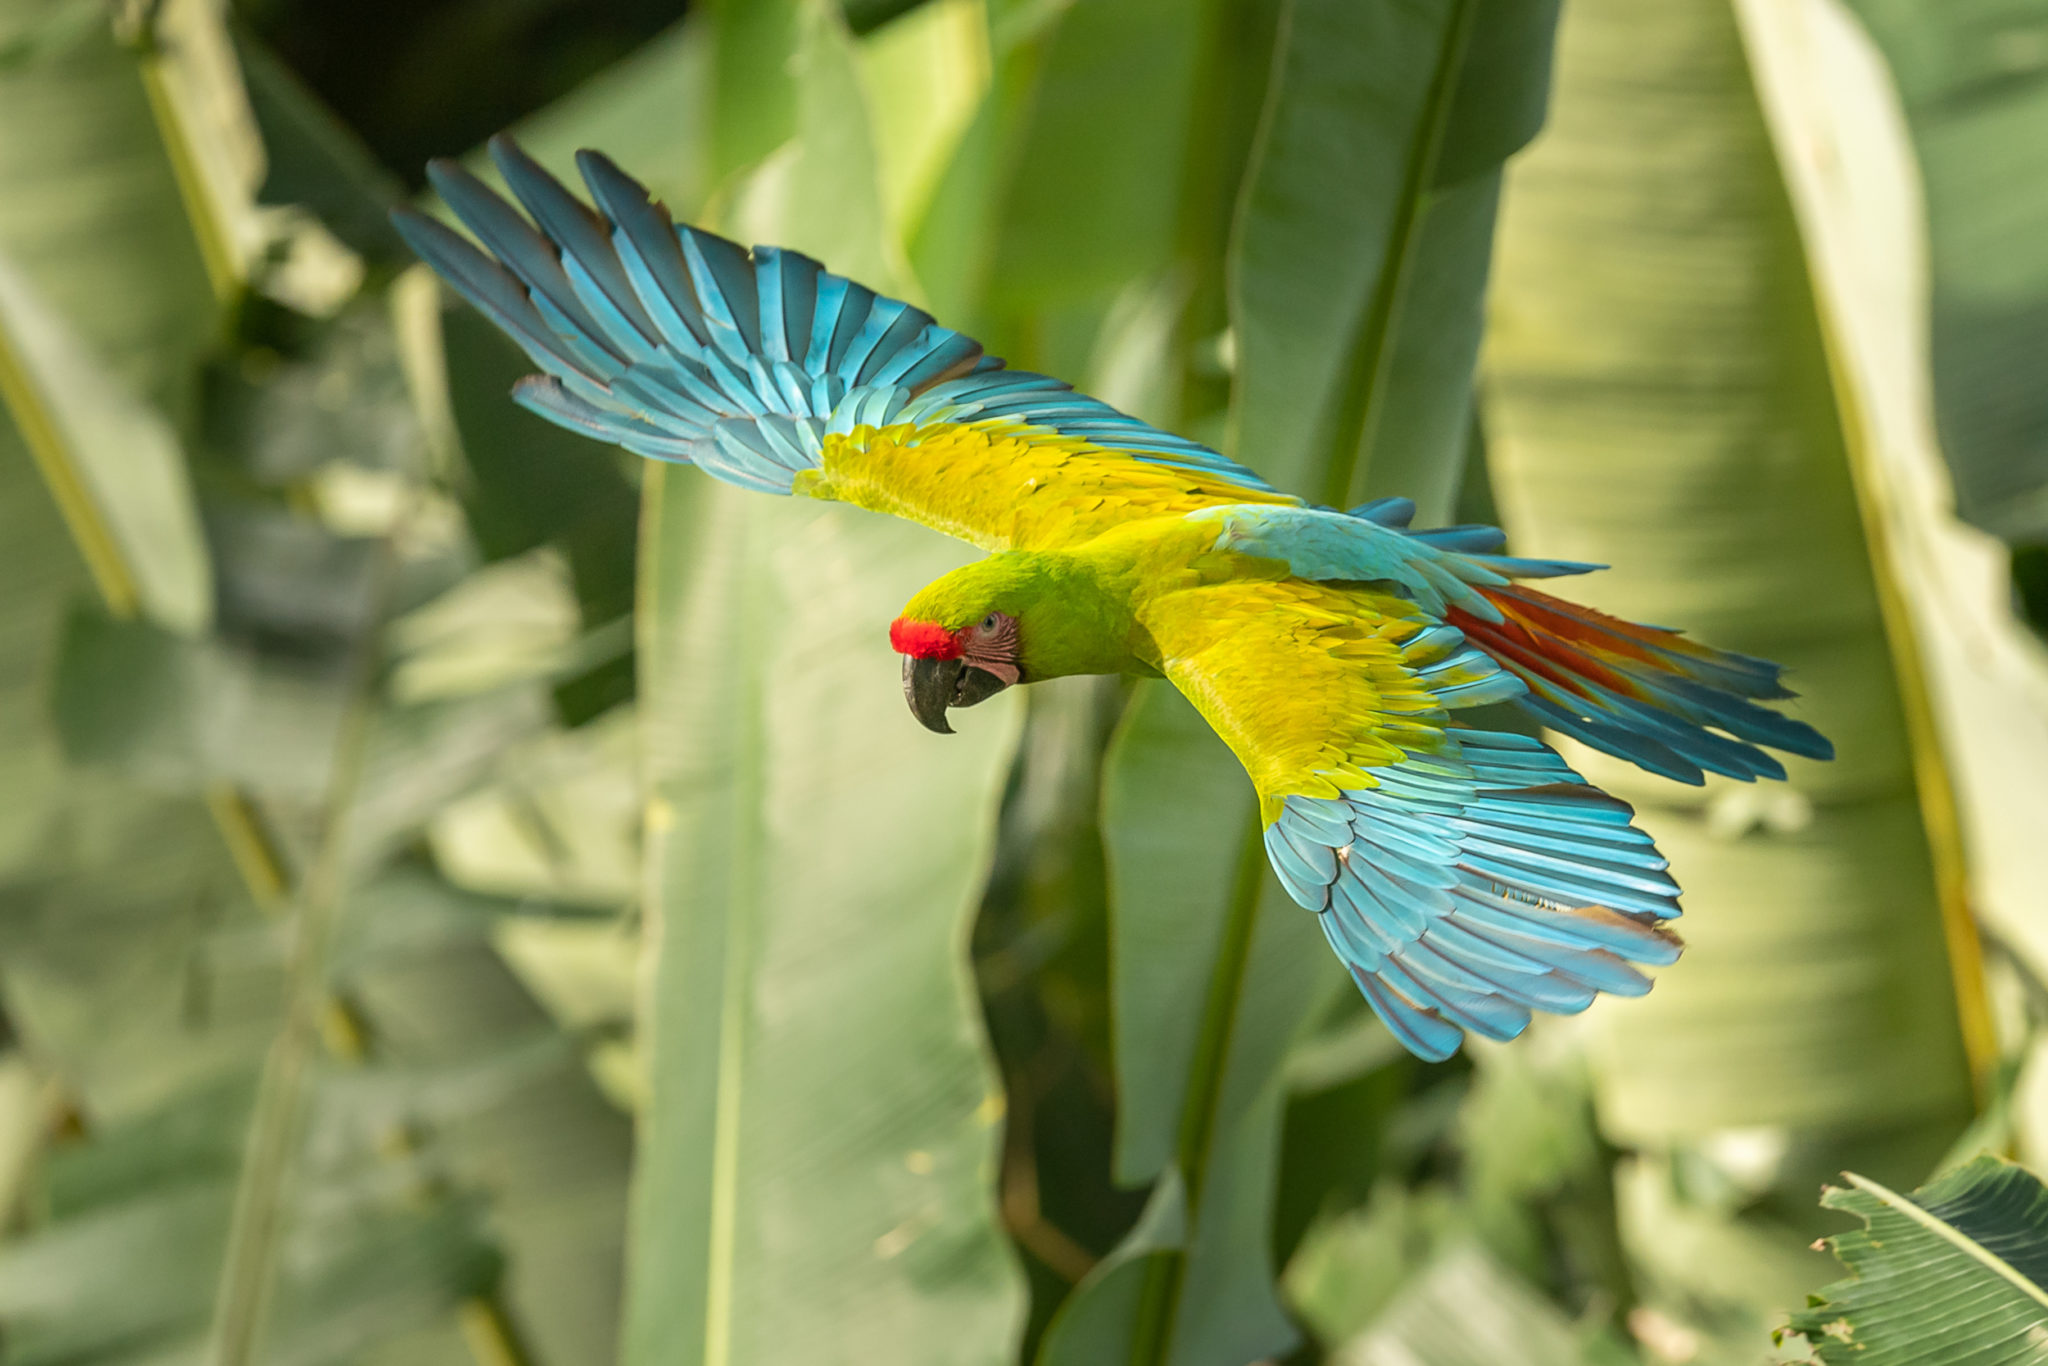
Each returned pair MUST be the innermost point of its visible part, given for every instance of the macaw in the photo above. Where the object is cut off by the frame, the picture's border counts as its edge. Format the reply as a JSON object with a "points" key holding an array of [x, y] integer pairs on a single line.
{"points": [[1465, 877]]}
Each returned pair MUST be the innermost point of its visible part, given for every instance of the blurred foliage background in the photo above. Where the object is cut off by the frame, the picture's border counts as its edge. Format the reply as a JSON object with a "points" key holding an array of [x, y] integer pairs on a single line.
{"points": [[469, 896]]}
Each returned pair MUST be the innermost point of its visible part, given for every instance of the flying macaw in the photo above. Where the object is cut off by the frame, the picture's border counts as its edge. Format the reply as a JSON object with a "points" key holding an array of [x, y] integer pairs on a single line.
{"points": [[1465, 877]]}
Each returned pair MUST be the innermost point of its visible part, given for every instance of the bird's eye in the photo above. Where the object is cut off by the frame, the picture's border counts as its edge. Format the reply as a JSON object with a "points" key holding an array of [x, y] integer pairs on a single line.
{"points": [[988, 623]]}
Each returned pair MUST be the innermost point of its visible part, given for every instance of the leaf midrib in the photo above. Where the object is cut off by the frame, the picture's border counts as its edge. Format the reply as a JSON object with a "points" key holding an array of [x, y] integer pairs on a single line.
{"points": [[743, 906], [1355, 408], [1153, 1338], [1951, 1234]]}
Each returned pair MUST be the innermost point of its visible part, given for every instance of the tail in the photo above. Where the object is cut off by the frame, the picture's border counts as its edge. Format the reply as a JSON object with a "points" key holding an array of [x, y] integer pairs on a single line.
{"points": [[1641, 693]]}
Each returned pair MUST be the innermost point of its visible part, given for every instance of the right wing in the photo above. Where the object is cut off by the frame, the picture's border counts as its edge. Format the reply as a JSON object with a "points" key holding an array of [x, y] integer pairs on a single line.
{"points": [[1465, 878], [769, 372]]}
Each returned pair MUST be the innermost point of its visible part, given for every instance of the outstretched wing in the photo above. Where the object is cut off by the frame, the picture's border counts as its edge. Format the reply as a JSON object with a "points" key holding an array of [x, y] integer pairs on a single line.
{"points": [[767, 371], [1466, 878]]}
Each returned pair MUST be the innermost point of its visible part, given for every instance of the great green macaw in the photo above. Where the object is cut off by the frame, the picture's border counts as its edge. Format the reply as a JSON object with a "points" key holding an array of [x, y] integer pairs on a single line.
{"points": [[1465, 877]]}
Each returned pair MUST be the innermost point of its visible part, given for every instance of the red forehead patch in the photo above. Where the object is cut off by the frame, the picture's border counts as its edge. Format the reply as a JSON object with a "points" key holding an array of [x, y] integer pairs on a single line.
{"points": [[923, 639]]}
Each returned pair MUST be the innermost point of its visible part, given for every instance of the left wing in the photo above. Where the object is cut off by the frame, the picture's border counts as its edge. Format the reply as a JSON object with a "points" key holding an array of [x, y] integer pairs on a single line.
{"points": [[1466, 878], [769, 372]]}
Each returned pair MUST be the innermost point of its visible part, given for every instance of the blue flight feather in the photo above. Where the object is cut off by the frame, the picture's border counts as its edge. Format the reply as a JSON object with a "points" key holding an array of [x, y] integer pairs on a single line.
{"points": [[1465, 893], [584, 238]]}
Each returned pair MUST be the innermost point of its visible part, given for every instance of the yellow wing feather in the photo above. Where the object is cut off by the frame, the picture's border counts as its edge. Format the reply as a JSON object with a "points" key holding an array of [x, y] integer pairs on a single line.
{"points": [[1308, 683], [1004, 485]]}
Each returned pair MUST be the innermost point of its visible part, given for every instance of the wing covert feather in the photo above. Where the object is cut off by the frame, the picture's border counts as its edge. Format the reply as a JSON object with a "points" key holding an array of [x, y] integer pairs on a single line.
{"points": [[1314, 685], [1003, 485]]}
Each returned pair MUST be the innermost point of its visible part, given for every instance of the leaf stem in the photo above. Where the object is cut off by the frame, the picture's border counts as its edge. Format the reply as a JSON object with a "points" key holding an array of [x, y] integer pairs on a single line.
{"points": [[257, 1223], [111, 573], [210, 233], [1933, 785], [1160, 1302]]}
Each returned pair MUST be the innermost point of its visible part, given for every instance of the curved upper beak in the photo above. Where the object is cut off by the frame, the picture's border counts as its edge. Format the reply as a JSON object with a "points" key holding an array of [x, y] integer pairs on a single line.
{"points": [[932, 685]]}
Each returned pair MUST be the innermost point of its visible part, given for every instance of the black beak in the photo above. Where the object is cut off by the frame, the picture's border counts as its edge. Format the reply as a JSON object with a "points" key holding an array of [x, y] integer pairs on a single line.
{"points": [[932, 685]]}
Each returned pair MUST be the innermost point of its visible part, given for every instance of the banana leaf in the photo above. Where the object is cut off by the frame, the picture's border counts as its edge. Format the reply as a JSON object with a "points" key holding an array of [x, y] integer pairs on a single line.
{"points": [[1974, 108], [1467, 1311], [1214, 974], [1848, 163], [1954, 1273], [1662, 398], [1362, 249], [817, 1148], [1661, 402], [94, 213]]}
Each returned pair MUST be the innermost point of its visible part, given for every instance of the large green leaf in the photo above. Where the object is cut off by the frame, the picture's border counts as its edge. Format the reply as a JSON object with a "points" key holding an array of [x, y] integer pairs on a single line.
{"points": [[1214, 970], [137, 971], [925, 79], [818, 1143], [811, 863], [1144, 112], [1364, 234], [1848, 161], [1662, 403], [1664, 400], [1213, 974], [119, 307], [111, 460], [93, 212], [1958, 1272], [1975, 95], [105, 304], [37, 557], [1107, 114], [754, 93]]}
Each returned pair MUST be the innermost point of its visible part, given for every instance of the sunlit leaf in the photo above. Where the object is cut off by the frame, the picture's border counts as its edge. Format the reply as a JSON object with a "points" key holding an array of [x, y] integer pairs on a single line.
{"points": [[925, 78], [37, 557], [111, 461], [1843, 143], [1975, 93], [754, 93], [1107, 113], [813, 859], [1662, 404], [1664, 398], [93, 213]]}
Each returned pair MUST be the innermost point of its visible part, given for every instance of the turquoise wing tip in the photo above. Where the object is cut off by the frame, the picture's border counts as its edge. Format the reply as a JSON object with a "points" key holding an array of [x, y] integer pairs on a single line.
{"points": [[1468, 900]]}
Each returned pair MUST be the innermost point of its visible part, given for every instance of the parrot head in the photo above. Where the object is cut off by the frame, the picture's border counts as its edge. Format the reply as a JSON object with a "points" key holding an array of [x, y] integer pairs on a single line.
{"points": [[976, 631], [955, 667], [1019, 616]]}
